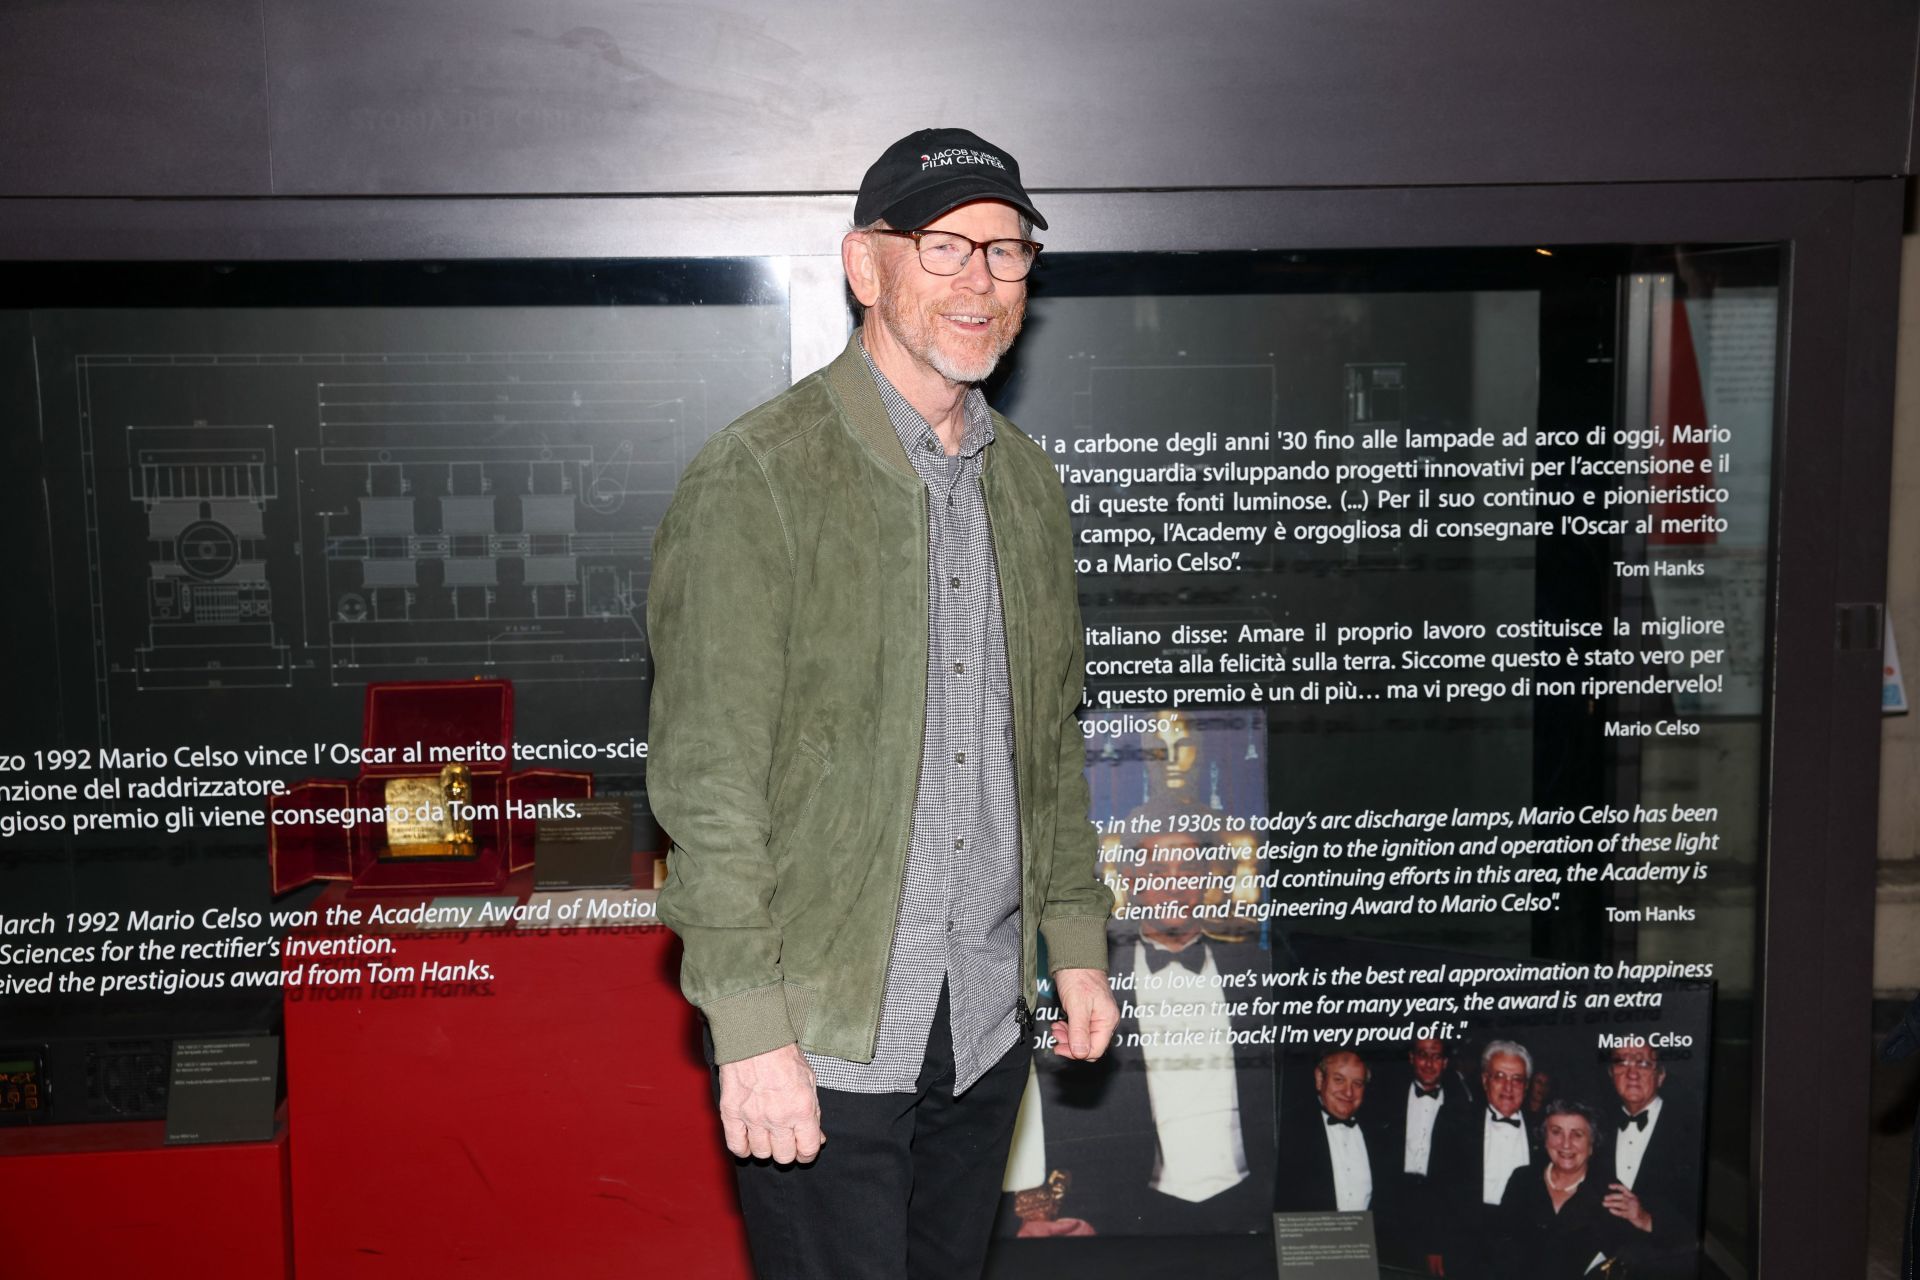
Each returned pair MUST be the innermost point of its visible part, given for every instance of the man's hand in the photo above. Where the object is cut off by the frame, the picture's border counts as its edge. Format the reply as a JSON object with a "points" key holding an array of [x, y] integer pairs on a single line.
{"points": [[1622, 1203], [1087, 1001], [768, 1106]]}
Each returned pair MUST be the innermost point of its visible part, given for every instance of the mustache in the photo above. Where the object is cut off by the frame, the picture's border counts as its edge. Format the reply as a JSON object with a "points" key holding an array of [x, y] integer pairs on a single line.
{"points": [[990, 308]]}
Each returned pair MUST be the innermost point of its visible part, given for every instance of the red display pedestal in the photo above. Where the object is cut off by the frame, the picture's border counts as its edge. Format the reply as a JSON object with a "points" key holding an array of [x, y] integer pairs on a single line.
{"points": [[553, 1116], [115, 1200]]}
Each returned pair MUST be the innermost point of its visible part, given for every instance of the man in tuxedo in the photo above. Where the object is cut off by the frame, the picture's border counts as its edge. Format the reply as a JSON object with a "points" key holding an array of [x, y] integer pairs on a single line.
{"points": [[1492, 1147], [1171, 1132], [1334, 1163], [1655, 1161], [1421, 1125]]}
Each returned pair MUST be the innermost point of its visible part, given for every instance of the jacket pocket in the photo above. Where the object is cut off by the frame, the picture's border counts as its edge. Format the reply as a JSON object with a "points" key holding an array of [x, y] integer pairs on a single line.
{"points": [[795, 800]]}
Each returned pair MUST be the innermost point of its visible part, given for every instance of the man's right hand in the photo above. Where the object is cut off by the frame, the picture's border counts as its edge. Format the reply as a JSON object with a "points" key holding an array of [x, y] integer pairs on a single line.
{"points": [[768, 1106]]}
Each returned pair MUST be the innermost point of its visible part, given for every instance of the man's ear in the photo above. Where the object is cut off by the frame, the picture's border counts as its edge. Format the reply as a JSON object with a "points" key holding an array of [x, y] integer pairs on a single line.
{"points": [[863, 273]]}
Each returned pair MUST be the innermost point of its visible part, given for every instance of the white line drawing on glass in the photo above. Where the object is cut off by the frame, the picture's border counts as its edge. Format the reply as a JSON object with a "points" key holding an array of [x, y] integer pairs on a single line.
{"points": [[439, 515], [485, 524], [204, 489]]}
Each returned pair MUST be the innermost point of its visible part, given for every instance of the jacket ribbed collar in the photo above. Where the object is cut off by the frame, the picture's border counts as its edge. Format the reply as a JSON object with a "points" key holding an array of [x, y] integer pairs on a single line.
{"points": [[867, 416]]}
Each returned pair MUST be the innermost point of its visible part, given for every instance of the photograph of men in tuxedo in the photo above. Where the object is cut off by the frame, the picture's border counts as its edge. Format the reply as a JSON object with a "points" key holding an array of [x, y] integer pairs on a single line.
{"points": [[1656, 1158], [1335, 1163], [1171, 1132], [1423, 1120]]}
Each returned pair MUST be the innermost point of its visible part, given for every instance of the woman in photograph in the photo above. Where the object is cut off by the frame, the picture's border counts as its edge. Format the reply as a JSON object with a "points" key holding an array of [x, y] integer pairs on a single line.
{"points": [[1560, 1218]]}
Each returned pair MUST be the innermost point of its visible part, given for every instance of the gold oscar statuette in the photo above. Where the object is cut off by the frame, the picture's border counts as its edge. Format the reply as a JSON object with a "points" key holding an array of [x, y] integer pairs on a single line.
{"points": [[431, 817]]}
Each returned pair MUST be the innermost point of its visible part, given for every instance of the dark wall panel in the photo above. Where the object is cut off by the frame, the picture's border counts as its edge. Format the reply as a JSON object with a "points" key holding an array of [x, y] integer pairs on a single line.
{"points": [[521, 96], [516, 96], [133, 97], [1913, 117]]}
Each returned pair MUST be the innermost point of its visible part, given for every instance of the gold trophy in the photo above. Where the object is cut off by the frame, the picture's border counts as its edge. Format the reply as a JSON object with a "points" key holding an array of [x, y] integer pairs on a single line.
{"points": [[1174, 802], [431, 817]]}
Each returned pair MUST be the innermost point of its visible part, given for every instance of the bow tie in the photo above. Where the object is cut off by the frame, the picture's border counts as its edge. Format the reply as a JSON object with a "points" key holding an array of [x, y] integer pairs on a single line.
{"points": [[1639, 1122], [1189, 958], [1497, 1118], [1350, 1122], [1434, 1092]]}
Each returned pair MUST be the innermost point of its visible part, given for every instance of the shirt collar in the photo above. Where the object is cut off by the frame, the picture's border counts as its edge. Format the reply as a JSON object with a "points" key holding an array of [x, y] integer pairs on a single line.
{"points": [[914, 430]]}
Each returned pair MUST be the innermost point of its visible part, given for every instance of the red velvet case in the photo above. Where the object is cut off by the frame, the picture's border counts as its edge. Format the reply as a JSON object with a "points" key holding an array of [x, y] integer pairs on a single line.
{"points": [[471, 722]]}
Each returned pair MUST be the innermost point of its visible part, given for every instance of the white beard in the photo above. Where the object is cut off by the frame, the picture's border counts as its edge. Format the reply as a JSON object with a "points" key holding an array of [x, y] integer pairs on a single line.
{"points": [[919, 333]]}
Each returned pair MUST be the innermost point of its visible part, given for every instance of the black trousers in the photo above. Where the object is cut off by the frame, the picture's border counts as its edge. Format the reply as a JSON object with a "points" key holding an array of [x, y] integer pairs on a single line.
{"points": [[906, 1186]]}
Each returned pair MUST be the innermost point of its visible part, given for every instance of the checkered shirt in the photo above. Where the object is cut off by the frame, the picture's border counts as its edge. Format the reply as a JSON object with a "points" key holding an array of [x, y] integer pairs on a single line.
{"points": [[959, 916]]}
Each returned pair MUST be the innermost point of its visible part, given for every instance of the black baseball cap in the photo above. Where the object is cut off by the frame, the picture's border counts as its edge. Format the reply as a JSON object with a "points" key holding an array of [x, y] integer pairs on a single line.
{"points": [[931, 171]]}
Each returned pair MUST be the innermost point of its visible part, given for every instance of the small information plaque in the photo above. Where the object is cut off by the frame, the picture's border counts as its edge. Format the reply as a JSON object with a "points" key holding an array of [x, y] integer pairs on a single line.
{"points": [[1326, 1246], [592, 850], [223, 1090]]}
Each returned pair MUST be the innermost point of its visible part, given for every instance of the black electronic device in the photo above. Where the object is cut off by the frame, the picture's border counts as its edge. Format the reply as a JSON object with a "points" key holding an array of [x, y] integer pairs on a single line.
{"points": [[94, 1067]]}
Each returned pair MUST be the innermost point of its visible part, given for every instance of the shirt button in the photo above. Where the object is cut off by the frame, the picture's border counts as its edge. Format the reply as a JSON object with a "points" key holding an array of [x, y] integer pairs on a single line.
{"points": [[956, 584], [959, 757], [960, 843], [959, 668]]}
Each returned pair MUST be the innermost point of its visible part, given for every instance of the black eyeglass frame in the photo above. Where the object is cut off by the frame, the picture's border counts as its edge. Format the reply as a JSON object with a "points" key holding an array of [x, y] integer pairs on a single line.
{"points": [[974, 247]]}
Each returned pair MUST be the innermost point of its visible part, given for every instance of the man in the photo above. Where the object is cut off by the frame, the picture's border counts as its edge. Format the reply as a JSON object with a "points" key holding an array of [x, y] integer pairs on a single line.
{"points": [[1655, 1162], [867, 655], [1493, 1147], [1422, 1127], [1334, 1163], [1506, 1070], [1172, 1134]]}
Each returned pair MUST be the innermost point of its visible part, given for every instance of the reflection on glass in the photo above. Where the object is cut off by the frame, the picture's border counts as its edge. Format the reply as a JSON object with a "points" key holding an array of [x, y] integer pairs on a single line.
{"points": [[238, 496], [1481, 536]]}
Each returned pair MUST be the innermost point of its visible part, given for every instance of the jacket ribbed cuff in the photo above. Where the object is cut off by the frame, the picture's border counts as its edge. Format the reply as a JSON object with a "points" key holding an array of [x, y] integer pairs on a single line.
{"points": [[1075, 942], [750, 1023]]}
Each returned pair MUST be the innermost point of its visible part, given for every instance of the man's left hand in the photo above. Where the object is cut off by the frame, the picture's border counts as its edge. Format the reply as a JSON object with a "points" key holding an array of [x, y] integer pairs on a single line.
{"points": [[1622, 1203], [1087, 1001]]}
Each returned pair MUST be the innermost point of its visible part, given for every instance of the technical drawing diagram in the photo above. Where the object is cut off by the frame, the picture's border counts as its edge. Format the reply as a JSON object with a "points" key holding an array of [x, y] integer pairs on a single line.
{"points": [[315, 521], [489, 524], [210, 616]]}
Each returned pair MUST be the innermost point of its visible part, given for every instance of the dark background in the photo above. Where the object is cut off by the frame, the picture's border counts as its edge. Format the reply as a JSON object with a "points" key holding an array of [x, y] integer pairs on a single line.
{"points": [[361, 97]]}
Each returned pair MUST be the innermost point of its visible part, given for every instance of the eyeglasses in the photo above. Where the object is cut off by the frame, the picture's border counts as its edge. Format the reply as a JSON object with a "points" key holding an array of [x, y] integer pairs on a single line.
{"points": [[1634, 1064], [947, 253]]}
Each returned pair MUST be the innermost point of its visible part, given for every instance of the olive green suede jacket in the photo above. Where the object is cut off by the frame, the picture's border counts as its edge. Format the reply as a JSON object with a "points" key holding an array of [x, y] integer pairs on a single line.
{"points": [[787, 615]]}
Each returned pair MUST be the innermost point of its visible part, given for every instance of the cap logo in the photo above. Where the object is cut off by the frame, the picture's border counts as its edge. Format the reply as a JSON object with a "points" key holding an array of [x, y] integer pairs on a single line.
{"points": [[959, 155]]}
